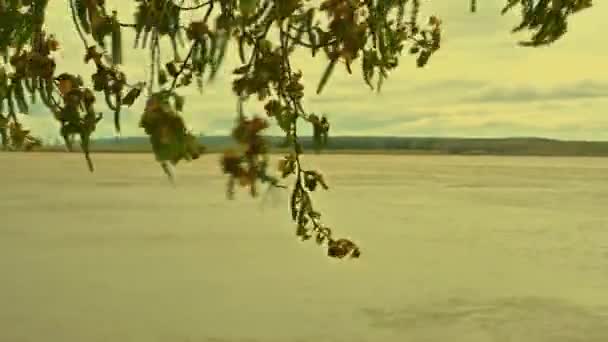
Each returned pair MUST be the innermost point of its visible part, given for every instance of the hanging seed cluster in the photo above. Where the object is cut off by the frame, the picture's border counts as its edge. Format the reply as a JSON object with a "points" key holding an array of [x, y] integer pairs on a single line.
{"points": [[15, 137], [113, 83], [170, 139], [266, 33], [94, 20], [250, 166], [77, 116]]}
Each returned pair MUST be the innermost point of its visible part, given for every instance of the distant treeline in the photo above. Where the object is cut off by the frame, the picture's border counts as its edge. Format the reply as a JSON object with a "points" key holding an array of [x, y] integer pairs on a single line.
{"points": [[466, 146]]}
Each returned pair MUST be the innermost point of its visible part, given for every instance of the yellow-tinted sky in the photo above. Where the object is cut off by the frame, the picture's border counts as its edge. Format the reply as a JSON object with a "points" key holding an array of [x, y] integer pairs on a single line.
{"points": [[479, 84]]}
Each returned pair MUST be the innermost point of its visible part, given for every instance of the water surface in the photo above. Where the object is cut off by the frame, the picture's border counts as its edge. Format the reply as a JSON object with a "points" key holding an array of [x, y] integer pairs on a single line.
{"points": [[472, 249]]}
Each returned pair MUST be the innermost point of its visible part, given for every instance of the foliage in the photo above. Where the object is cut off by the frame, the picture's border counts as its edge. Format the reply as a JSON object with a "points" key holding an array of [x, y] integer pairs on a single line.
{"points": [[15, 138], [266, 33]]}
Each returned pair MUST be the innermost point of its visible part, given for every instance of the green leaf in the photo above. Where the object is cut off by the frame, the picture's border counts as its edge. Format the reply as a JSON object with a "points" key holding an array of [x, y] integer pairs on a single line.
{"points": [[131, 96], [162, 77], [423, 58], [381, 77], [368, 67], [199, 83], [326, 75], [217, 62], [117, 119], [242, 49], [296, 197], [179, 102], [116, 43], [19, 94]]}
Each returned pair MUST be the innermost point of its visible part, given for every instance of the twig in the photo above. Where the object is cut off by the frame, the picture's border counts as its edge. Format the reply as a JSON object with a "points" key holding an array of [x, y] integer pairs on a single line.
{"points": [[183, 66], [78, 28]]}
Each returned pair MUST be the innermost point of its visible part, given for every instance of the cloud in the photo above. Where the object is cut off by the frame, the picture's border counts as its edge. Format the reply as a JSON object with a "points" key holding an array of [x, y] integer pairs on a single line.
{"points": [[586, 89], [378, 123], [355, 89]]}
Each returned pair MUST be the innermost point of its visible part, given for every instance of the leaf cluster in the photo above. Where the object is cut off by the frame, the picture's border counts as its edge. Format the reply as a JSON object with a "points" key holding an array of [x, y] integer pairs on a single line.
{"points": [[548, 19]]}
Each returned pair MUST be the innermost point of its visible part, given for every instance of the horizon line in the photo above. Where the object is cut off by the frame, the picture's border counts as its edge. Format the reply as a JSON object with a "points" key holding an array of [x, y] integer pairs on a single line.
{"points": [[118, 137]]}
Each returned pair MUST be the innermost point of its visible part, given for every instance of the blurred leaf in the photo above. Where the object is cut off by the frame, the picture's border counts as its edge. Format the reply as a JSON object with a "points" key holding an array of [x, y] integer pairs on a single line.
{"points": [[131, 96], [326, 75]]}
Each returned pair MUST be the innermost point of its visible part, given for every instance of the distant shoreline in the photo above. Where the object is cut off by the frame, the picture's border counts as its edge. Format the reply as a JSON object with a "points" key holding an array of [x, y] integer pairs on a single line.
{"points": [[272, 152], [352, 145], [334, 152]]}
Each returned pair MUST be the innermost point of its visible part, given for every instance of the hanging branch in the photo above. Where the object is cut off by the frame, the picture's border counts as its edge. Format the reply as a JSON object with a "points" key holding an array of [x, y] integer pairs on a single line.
{"points": [[74, 15]]}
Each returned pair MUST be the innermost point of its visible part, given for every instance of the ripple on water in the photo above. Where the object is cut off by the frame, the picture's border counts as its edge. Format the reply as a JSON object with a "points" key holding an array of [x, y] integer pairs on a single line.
{"points": [[529, 319]]}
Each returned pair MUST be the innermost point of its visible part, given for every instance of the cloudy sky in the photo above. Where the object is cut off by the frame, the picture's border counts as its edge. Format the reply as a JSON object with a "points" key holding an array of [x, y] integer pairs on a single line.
{"points": [[480, 83]]}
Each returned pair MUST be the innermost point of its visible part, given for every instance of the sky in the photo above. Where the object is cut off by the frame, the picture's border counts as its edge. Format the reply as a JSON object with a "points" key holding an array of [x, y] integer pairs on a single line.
{"points": [[479, 84]]}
